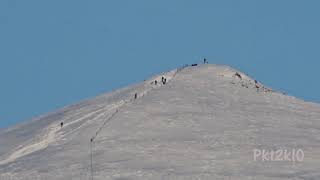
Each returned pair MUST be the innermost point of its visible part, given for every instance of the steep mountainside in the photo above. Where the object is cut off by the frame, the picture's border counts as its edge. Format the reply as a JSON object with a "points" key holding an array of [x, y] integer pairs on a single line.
{"points": [[205, 122]]}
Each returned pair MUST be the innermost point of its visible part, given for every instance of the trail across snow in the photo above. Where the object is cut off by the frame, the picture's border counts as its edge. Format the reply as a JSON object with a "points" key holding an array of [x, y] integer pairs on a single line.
{"points": [[203, 124]]}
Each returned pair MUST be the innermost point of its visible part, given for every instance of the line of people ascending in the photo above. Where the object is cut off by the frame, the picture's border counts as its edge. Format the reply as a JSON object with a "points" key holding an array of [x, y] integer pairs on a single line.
{"points": [[163, 81]]}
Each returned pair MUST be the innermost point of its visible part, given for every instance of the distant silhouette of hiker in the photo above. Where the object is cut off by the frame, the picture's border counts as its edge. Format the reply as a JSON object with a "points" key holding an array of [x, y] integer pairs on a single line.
{"points": [[163, 80], [238, 75], [135, 96], [204, 61], [61, 124]]}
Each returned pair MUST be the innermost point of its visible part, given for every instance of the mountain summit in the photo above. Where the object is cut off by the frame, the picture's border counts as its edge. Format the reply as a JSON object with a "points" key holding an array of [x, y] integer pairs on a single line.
{"points": [[195, 122]]}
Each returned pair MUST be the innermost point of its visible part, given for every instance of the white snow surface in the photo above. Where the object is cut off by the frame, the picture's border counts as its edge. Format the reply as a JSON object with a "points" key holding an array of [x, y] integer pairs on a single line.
{"points": [[204, 123]]}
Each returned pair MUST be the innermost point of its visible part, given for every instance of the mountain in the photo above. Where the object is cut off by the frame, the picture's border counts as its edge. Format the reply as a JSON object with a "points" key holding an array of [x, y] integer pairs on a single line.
{"points": [[205, 122]]}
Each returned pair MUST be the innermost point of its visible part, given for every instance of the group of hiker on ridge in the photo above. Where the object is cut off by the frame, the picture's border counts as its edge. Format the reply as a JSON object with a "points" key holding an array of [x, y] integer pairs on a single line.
{"points": [[163, 81]]}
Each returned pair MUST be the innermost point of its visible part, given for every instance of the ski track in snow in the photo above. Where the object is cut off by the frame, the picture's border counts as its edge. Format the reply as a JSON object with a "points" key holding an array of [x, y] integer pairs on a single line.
{"points": [[52, 134], [28, 149]]}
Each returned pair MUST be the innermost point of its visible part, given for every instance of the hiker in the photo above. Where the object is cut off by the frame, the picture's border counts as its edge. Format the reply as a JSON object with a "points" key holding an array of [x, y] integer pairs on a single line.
{"points": [[61, 124], [238, 75], [135, 96], [163, 80], [205, 61]]}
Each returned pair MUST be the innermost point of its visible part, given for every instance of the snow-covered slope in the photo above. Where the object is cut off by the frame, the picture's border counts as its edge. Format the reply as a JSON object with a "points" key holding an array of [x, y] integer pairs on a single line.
{"points": [[204, 123]]}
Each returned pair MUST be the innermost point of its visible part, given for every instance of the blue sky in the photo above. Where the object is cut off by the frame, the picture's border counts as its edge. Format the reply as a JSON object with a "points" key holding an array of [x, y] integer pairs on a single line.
{"points": [[55, 53]]}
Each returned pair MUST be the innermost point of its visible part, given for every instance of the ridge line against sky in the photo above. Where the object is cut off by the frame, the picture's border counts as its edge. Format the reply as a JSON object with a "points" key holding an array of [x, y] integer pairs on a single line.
{"points": [[56, 53]]}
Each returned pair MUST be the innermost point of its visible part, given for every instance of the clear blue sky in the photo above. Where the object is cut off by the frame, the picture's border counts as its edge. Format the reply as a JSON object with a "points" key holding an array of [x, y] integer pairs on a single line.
{"points": [[55, 53]]}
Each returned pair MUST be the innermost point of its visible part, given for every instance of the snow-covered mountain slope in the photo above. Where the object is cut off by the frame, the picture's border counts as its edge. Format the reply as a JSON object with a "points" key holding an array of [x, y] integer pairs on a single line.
{"points": [[205, 122]]}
